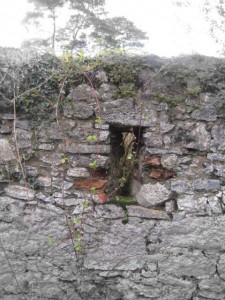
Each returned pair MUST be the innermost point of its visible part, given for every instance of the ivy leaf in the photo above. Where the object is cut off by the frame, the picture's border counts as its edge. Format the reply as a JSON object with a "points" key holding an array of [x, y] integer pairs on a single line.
{"points": [[129, 156], [93, 165]]}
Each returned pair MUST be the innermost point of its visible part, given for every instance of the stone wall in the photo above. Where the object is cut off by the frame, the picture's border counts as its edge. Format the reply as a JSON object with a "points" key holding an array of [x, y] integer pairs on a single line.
{"points": [[118, 191]]}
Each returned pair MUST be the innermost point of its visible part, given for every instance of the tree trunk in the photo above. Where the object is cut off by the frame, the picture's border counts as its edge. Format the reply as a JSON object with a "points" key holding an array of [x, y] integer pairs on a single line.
{"points": [[54, 30]]}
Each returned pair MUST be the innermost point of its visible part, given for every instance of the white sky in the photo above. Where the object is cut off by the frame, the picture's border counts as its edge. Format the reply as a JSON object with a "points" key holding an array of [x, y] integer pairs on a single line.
{"points": [[166, 25]]}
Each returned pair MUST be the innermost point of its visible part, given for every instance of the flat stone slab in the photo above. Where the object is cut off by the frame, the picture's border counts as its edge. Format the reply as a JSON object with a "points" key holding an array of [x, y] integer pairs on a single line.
{"points": [[143, 212], [85, 149], [20, 192], [78, 172], [151, 195]]}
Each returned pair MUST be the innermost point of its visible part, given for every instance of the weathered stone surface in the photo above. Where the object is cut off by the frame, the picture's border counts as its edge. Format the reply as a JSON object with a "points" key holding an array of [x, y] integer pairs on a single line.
{"points": [[192, 135], [53, 158], [195, 264], [44, 181], [218, 133], [24, 144], [86, 149], [220, 171], [221, 266], [109, 211], [213, 288], [50, 132], [23, 124], [165, 125], [123, 112], [5, 129], [151, 195], [150, 160], [201, 138], [192, 232], [162, 151], [180, 186], [78, 172], [216, 157], [207, 185], [19, 192], [169, 161], [161, 174], [199, 205], [84, 111], [112, 250], [146, 213], [90, 183], [7, 116], [206, 114], [83, 93], [104, 136], [6, 153], [47, 147], [152, 140], [130, 252]]}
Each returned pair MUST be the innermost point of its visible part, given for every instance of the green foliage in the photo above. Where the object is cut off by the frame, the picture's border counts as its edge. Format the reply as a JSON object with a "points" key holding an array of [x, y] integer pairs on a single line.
{"points": [[64, 159], [87, 27], [125, 91], [172, 101], [123, 201], [92, 138], [98, 120], [122, 73], [93, 190], [194, 92], [93, 165], [118, 33], [126, 217]]}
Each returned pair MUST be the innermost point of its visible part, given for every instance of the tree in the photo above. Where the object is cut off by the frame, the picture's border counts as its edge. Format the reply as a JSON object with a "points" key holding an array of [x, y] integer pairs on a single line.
{"points": [[76, 33], [215, 14], [87, 24], [43, 7], [118, 32]]}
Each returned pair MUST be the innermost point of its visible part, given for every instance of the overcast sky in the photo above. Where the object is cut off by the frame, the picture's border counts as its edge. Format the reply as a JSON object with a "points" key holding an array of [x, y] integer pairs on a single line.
{"points": [[171, 30]]}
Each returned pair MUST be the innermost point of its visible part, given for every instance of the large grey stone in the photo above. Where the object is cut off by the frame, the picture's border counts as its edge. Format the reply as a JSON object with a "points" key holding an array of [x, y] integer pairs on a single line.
{"points": [[205, 114], [83, 111], [218, 134], [205, 233], [83, 93], [199, 205], [200, 137], [20, 192], [169, 161], [184, 263], [192, 135], [216, 157], [6, 153], [151, 195], [221, 266], [207, 185], [152, 140], [213, 288], [180, 186]]}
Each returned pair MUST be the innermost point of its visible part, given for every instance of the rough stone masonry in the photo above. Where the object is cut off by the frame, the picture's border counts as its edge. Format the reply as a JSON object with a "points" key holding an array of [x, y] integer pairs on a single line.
{"points": [[65, 234]]}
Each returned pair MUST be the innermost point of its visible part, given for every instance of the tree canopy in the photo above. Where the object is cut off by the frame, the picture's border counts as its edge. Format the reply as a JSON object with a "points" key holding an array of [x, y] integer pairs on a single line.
{"points": [[87, 25]]}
